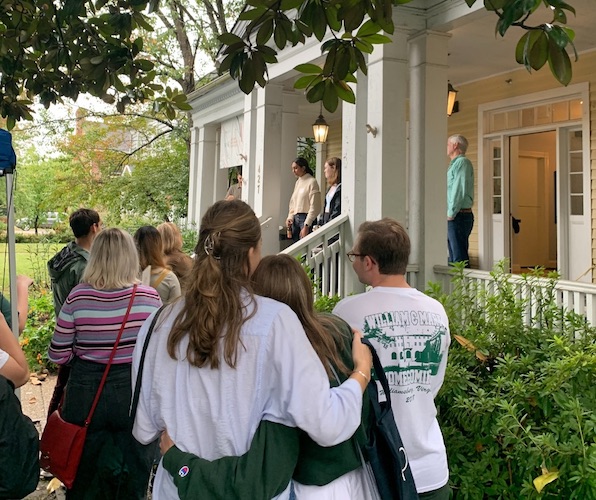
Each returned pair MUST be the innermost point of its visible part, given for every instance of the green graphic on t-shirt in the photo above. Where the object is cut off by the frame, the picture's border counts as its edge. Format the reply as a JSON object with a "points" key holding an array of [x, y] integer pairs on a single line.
{"points": [[410, 342]]}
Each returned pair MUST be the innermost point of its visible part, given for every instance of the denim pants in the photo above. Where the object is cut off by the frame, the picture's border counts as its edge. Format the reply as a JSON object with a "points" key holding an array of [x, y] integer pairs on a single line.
{"points": [[458, 233], [297, 226], [113, 464]]}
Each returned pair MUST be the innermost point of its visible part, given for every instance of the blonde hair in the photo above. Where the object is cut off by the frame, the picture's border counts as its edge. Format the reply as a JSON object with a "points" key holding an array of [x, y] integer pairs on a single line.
{"points": [[170, 237], [113, 261], [214, 305], [282, 278]]}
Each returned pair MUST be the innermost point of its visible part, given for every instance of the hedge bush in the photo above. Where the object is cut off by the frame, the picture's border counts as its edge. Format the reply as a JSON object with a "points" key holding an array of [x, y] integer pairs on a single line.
{"points": [[518, 402]]}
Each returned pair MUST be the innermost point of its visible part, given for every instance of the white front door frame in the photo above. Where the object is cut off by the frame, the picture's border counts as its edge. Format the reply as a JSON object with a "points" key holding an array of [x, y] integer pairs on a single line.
{"points": [[485, 209]]}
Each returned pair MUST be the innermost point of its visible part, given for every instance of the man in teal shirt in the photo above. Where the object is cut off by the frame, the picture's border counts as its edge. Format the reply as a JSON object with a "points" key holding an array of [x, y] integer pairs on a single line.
{"points": [[460, 198]]}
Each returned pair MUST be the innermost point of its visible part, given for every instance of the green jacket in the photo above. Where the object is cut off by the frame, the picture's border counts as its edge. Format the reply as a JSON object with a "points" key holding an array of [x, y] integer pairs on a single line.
{"points": [[276, 454], [66, 270]]}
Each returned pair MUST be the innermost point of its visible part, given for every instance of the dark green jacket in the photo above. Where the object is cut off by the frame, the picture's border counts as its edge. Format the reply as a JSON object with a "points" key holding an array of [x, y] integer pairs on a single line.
{"points": [[276, 454], [66, 270]]}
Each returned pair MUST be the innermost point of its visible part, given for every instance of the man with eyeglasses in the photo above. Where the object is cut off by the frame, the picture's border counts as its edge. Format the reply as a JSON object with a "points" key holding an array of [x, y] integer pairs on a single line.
{"points": [[411, 334]]}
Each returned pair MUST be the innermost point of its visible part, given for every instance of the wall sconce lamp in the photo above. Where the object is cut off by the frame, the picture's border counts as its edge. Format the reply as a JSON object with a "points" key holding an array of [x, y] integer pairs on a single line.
{"points": [[371, 130], [320, 129], [452, 104]]}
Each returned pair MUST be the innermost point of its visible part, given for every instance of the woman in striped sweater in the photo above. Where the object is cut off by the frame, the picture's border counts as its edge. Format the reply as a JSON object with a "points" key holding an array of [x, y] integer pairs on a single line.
{"points": [[113, 464]]}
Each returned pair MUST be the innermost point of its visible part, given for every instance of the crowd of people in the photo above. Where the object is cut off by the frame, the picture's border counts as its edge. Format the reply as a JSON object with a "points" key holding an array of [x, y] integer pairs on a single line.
{"points": [[243, 388]]}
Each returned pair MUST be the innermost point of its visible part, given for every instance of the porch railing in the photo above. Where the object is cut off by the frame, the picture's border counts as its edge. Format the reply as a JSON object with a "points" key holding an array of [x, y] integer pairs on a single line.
{"points": [[323, 252], [573, 296]]}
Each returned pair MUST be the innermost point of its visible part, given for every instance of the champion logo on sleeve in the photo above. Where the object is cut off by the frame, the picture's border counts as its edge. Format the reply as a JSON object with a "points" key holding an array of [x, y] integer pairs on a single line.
{"points": [[184, 470]]}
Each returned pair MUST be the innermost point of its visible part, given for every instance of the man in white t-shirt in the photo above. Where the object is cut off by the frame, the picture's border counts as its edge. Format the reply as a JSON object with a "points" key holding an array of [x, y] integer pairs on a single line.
{"points": [[411, 334]]}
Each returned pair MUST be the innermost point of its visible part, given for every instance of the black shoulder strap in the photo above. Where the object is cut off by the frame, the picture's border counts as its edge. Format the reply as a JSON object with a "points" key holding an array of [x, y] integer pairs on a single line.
{"points": [[137, 394], [379, 372]]}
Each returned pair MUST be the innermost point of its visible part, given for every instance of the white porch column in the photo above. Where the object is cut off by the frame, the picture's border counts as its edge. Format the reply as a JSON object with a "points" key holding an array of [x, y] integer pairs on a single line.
{"points": [[353, 175], [267, 178], [289, 135], [386, 154], [428, 160], [250, 134], [203, 168]]}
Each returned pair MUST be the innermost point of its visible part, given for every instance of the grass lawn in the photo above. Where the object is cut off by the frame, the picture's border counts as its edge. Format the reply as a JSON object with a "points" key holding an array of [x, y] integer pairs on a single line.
{"points": [[31, 260]]}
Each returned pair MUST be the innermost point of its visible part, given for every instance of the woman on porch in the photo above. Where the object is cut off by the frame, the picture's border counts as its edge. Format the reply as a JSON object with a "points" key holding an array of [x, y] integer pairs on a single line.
{"points": [[305, 203]]}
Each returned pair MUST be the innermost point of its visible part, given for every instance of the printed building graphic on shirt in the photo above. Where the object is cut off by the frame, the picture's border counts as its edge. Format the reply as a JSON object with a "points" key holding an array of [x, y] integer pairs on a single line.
{"points": [[410, 344]]}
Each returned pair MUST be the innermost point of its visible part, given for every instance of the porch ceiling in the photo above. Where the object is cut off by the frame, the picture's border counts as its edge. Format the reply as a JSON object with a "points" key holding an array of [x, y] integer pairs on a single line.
{"points": [[475, 53]]}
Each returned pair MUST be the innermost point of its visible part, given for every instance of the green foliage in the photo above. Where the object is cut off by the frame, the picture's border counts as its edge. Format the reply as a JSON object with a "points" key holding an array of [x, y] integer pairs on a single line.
{"points": [[62, 49], [325, 304], [37, 336], [518, 399], [190, 236], [306, 149], [356, 27]]}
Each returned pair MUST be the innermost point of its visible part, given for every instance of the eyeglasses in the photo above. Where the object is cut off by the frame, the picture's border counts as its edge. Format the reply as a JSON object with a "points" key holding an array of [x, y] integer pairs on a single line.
{"points": [[352, 256]]}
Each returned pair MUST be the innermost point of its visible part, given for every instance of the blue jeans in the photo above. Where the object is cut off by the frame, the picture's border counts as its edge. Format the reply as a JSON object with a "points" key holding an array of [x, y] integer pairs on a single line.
{"points": [[458, 232], [299, 220]]}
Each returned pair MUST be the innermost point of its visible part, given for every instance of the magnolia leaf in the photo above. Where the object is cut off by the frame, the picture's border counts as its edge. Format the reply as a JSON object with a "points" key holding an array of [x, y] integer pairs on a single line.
{"points": [[560, 64], [538, 53], [330, 98], [377, 39], [315, 94], [265, 32], [561, 5], [520, 49], [368, 28], [319, 23], [308, 68], [353, 16], [307, 81], [342, 64], [229, 39], [345, 93], [248, 77], [279, 36]]}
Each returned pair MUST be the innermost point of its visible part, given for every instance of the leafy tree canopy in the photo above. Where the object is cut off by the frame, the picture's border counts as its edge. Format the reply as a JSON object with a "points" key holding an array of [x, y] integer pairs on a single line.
{"points": [[54, 49], [357, 26]]}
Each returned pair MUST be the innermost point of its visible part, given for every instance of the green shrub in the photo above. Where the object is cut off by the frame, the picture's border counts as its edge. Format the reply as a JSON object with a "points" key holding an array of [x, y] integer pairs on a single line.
{"points": [[326, 304], [37, 336], [518, 400], [189, 240]]}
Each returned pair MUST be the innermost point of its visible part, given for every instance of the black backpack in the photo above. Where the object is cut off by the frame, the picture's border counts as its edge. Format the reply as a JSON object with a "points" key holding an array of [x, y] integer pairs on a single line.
{"points": [[385, 450], [19, 446]]}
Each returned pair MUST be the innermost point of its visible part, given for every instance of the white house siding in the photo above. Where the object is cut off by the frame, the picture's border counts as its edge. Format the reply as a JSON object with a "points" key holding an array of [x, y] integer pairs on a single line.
{"points": [[496, 88]]}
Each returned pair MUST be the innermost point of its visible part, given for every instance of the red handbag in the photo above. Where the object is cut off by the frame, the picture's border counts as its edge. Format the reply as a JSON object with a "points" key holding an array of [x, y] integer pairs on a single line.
{"points": [[61, 442]]}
